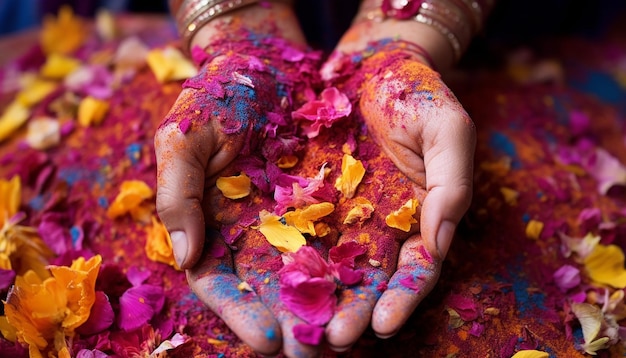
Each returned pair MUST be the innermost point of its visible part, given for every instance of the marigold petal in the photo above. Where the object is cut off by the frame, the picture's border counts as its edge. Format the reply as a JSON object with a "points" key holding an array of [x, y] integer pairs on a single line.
{"points": [[361, 211], [14, 116], [58, 66], [234, 187], [130, 198], [287, 161], [62, 34], [284, 237], [169, 64], [403, 218], [10, 198], [159, 244], [352, 172], [35, 91], [529, 353], [534, 229], [91, 111], [605, 265], [304, 219]]}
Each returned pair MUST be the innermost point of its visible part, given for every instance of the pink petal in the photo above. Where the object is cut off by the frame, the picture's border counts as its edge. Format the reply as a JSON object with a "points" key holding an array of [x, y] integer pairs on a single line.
{"points": [[346, 252], [464, 306], [100, 318], [138, 305], [477, 329], [313, 300], [579, 122], [410, 282], [347, 275], [7, 277], [306, 260], [308, 334], [136, 276], [86, 353], [567, 277]]}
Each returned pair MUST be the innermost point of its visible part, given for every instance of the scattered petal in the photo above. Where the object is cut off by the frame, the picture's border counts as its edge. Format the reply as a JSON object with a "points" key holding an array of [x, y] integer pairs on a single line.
{"points": [[308, 334], [403, 218], [304, 219], [534, 229], [352, 172], [159, 244], [361, 211], [234, 187], [605, 265], [14, 116], [531, 354], [130, 199], [567, 277], [58, 66], [169, 64], [284, 237], [43, 133], [138, 305], [91, 111], [63, 34]]}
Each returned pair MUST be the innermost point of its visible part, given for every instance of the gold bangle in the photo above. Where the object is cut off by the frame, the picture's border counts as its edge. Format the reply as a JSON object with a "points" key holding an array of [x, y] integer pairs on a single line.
{"points": [[193, 14]]}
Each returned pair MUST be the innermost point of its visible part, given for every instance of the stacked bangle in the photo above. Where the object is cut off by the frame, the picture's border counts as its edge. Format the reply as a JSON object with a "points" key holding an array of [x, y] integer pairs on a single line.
{"points": [[457, 20], [193, 14]]}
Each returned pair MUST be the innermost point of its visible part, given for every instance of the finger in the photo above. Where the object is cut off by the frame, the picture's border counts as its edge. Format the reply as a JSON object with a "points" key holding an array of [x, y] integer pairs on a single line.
{"points": [[258, 264], [216, 284], [415, 277], [448, 161], [354, 310], [355, 304], [181, 162]]}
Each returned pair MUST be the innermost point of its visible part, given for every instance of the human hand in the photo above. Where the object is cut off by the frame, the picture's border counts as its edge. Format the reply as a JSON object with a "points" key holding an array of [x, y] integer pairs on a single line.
{"points": [[423, 129], [240, 95]]}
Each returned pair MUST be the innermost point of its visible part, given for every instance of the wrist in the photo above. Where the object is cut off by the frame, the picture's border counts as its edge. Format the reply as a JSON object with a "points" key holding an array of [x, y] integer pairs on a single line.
{"points": [[442, 27], [203, 25]]}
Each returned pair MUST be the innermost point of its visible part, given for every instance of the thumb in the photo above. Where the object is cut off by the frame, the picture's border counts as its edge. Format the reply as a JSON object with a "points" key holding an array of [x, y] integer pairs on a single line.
{"points": [[449, 171], [181, 162]]}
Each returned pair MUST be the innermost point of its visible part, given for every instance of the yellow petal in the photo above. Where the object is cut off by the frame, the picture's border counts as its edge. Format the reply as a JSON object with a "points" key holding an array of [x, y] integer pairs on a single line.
{"points": [[10, 198], [403, 217], [235, 187], [14, 116], [534, 229], [605, 265], [362, 211], [169, 64], [92, 111], [510, 195], [304, 219], [35, 91], [105, 25], [159, 244], [288, 161], [531, 354], [284, 237], [63, 34], [352, 172], [131, 196], [58, 66]]}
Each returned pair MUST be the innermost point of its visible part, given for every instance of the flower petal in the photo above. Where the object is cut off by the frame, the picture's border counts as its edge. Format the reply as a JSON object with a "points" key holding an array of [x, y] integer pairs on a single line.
{"points": [[284, 237], [308, 334], [234, 187], [313, 300], [403, 218], [352, 172], [138, 305], [605, 265], [100, 318]]}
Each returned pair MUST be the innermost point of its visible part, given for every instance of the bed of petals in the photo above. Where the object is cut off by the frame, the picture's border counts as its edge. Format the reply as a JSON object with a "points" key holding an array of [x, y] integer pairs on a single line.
{"points": [[86, 268]]}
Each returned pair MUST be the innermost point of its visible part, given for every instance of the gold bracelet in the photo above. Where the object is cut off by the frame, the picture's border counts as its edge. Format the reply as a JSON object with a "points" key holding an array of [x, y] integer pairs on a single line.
{"points": [[456, 20], [193, 14]]}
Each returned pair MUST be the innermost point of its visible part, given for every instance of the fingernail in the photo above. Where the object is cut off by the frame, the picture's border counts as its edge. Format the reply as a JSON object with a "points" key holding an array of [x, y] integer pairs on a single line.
{"points": [[444, 237], [386, 336], [179, 245], [340, 349]]}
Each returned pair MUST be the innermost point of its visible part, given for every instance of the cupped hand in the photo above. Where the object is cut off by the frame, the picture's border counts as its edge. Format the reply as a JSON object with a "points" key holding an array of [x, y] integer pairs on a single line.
{"points": [[424, 130], [222, 114]]}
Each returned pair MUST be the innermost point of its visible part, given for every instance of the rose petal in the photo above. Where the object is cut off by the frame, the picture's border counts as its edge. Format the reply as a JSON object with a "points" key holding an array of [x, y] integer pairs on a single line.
{"points": [[567, 277], [138, 305], [308, 334], [313, 300], [100, 318]]}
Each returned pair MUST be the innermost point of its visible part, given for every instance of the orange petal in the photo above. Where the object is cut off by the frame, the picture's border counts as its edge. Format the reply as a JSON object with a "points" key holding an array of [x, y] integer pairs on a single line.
{"points": [[352, 172], [235, 187], [403, 218]]}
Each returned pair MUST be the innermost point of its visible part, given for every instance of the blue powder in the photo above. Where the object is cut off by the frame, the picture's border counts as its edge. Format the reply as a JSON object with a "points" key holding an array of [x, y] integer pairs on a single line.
{"points": [[75, 232], [133, 151], [103, 202], [526, 302], [500, 143], [603, 85], [37, 203], [270, 334]]}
